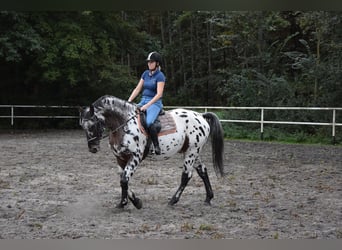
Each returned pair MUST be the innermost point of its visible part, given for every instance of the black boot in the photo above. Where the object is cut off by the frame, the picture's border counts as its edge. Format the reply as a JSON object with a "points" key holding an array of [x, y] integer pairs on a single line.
{"points": [[154, 137]]}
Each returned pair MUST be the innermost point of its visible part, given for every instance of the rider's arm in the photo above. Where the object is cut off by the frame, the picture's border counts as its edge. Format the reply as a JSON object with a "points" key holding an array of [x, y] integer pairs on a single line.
{"points": [[136, 91]]}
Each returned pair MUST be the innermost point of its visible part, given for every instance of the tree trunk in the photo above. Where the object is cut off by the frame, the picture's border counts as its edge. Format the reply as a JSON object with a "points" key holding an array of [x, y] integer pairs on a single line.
{"points": [[318, 32], [209, 34], [192, 47]]}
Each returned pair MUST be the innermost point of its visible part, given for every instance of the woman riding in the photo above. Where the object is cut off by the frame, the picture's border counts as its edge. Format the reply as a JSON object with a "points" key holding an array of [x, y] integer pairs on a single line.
{"points": [[151, 84]]}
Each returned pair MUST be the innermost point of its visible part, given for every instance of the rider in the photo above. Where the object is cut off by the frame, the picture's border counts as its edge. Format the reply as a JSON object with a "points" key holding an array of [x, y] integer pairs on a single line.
{"points": [[151, 84]]}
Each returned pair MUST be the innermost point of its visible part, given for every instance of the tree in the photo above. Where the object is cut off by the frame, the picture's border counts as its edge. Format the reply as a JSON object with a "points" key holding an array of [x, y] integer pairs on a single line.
{"points": [[215, 57]]}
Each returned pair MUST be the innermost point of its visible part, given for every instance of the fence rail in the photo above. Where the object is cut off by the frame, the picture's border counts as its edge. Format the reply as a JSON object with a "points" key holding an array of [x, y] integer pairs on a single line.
{"points": [[262, 121], [13, 116]]}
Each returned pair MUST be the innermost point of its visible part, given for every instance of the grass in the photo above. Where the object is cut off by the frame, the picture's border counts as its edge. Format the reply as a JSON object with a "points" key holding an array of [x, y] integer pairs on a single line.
{"points": [[285, 134]]}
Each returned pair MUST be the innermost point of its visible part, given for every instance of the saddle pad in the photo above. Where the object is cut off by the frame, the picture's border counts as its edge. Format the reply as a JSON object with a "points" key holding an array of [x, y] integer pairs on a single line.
{"points": [[168, 125]]}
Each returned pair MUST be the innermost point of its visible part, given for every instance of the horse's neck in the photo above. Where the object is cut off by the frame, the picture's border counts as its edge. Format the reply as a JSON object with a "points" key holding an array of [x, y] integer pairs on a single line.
{"points": [[114, 111], [118, 107]]}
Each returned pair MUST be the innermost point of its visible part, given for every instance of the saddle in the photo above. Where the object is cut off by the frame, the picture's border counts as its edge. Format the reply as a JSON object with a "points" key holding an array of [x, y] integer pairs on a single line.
{"points": [[164, 124], [156, 123]]}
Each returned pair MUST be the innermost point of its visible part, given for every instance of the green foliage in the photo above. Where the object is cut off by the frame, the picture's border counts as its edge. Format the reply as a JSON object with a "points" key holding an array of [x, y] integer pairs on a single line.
{"points": [[292, 134], [215, 58], [17, 37]]}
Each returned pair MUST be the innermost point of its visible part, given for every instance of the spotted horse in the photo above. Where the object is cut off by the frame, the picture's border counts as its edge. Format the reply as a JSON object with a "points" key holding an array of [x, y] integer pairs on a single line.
{"points": [[128, 142]]}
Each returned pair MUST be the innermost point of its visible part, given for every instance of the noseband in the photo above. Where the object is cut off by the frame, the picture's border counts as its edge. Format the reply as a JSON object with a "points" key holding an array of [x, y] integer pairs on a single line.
{"points": [[99, 127]]}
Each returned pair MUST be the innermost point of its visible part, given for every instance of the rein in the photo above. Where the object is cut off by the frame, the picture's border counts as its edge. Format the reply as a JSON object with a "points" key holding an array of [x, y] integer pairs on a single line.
{"points": [[122, 125], [115, 130]]}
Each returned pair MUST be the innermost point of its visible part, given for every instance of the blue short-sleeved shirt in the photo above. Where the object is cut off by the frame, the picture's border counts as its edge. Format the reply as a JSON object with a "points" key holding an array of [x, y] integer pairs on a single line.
{"points": [[150, 82]]}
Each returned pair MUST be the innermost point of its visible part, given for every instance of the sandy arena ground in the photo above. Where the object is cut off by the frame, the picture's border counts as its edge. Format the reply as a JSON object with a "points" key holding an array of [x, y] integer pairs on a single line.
{"points": [[52, 187]]}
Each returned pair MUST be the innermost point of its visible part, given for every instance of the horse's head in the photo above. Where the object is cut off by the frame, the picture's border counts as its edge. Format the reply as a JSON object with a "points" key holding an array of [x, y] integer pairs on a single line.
{"points": [[93, 126]]}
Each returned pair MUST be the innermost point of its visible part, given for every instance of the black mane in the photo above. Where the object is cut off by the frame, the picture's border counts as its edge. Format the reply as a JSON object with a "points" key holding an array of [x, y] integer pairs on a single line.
{"points": [[115, 111], [112, 101], [115, 104]]}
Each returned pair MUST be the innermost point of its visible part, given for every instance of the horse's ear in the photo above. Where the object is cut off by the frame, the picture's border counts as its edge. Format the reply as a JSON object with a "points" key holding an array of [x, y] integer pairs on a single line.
{"points": [[92, 110]]}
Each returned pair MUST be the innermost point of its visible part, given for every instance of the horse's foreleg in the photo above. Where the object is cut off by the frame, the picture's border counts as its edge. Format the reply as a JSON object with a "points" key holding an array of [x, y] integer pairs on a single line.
{"points": [[124, 190], [135, 200], [202, 172], [185, 179], [126, 193]]}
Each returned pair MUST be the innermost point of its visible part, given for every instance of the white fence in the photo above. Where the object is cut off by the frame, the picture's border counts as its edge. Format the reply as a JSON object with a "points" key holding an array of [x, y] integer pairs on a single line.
{"points": [[262, 121], [13, 116], [333, 123]]}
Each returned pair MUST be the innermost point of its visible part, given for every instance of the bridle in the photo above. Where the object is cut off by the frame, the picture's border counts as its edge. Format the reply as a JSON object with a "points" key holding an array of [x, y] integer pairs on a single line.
{"points": [[97, 120], [97, 123]]}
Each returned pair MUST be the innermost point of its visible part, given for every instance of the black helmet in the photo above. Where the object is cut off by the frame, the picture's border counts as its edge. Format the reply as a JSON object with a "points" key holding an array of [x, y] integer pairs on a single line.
{"points": [[154, 56]]}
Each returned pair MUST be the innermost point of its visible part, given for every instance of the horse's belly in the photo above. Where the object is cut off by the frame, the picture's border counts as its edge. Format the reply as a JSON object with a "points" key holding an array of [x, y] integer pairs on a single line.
{"points": [[171, 144]]}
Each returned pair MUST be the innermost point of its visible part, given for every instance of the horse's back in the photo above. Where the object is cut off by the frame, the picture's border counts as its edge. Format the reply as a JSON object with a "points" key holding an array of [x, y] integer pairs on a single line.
{"points": [[192, 124]]}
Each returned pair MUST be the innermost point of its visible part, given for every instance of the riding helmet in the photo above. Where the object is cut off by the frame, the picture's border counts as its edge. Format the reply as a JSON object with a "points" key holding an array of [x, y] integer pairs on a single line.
{"points": [[154, 56]]}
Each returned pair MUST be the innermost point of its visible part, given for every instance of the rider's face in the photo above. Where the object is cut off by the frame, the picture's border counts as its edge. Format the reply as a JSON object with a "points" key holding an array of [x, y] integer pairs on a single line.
{"points": [[152, 65]]}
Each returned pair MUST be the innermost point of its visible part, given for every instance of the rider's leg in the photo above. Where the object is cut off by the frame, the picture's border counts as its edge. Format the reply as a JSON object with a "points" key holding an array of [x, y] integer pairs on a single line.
{"points": [[151, 115], [154, 137]]}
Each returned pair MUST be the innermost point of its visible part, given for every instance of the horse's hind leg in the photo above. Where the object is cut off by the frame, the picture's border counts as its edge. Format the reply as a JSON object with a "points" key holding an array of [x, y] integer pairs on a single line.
{"points": [[202, 172], [186, 176], [184, 181]]}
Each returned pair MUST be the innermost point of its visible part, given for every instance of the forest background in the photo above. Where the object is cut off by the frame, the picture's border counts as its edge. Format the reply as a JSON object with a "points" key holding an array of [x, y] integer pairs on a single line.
{"points": [[210, 58]]}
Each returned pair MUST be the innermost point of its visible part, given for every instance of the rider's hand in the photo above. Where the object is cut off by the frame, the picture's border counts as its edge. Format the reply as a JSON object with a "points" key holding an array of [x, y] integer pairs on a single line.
{"points": [[143, 108]]}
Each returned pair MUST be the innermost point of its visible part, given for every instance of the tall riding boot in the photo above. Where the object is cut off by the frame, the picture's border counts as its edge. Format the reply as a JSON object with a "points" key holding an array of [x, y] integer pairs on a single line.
{"points": [[154, 137]]}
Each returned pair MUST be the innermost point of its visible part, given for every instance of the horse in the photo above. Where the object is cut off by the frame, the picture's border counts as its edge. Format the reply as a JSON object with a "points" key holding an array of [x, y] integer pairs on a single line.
{"points": [[128, 141]]}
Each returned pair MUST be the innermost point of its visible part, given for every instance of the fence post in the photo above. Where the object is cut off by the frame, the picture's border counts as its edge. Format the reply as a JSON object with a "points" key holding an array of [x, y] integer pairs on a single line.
{"points": [[12, 116], [262, 125], [333, 127]]}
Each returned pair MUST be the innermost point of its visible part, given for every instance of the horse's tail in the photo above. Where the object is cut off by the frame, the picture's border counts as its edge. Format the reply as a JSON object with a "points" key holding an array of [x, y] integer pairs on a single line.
{"points": [[217, 141]]}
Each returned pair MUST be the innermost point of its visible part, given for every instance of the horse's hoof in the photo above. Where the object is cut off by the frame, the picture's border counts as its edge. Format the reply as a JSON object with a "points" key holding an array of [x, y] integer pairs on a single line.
{"points": [[120, 205], [172, 202], [207, 203], [137, 203]]}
